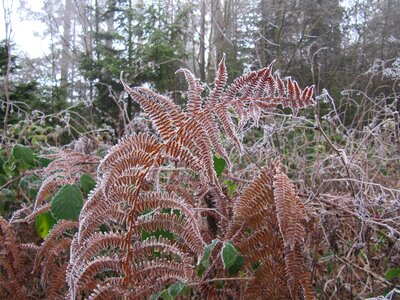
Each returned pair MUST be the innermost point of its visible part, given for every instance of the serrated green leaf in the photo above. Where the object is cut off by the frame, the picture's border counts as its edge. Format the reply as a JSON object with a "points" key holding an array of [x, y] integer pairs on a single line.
{"points": [[67, 203], [219, 165], [44, 223], [239, 261], [87, 183], [176, 288], [24, 154], [392, 273], [229, 254], [205, 261]]}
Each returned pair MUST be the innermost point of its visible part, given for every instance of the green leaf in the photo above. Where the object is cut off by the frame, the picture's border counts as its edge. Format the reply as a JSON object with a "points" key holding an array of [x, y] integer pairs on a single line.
{"points": [[392, 273], [44, 223], [176, 288], [44, 161], [229, 254], [166, 295], [87, 183], [219, 165], [156, 296], [220, 284], [239, 261], [2, 171], [30, 181], [3, 179], [231, 187], [30, 184], [200, 271], [205, 261], [23, 153], [67, 203]]}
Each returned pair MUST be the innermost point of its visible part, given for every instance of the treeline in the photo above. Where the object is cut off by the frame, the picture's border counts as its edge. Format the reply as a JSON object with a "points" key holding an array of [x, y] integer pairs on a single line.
{"points": [[330, 44]]}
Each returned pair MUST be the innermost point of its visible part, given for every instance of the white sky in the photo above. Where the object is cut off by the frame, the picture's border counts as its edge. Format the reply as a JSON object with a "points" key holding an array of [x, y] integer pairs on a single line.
{"points": [[24, 31]]}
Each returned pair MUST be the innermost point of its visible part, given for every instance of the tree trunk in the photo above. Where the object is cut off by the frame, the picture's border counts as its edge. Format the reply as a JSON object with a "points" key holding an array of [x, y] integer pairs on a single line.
{"points": [[66, 40], [202, 52]]}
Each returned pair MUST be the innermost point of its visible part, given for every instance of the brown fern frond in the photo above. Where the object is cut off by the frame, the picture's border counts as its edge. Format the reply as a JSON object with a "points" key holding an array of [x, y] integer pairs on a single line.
{"points": [[161, 268], [194, 93], [156, 200], [155, 111], [308, 289], [193, 136], [183, 227], [211, 127], [91, 248], [69, 161], [56, 288], [181, 192], [290, 211], [266, 85], [231, 92], [48, 186], [280, 86], [163, 245], [139, 142], [275, 240], [50, 264], [66, 168], [136, 197], [240, 83], [10, 244], [18, 214], [255, 247], [29, 247], [175, 112], [52, 241], [103, 213], [290, 89], [127, 170], [294, 269], [84, 279], [258, 195], [31, 217], [95, 197], [220, 81], [11, 263], [250, 89], [108, 290], [13, 287], [269, 281], [292, 218], [180, 154], [222, 112], [149, 286]]}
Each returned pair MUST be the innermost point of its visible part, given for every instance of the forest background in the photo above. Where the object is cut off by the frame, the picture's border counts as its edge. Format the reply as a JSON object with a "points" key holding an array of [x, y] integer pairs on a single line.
{"points": [[344, 152], [331, 44]]}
